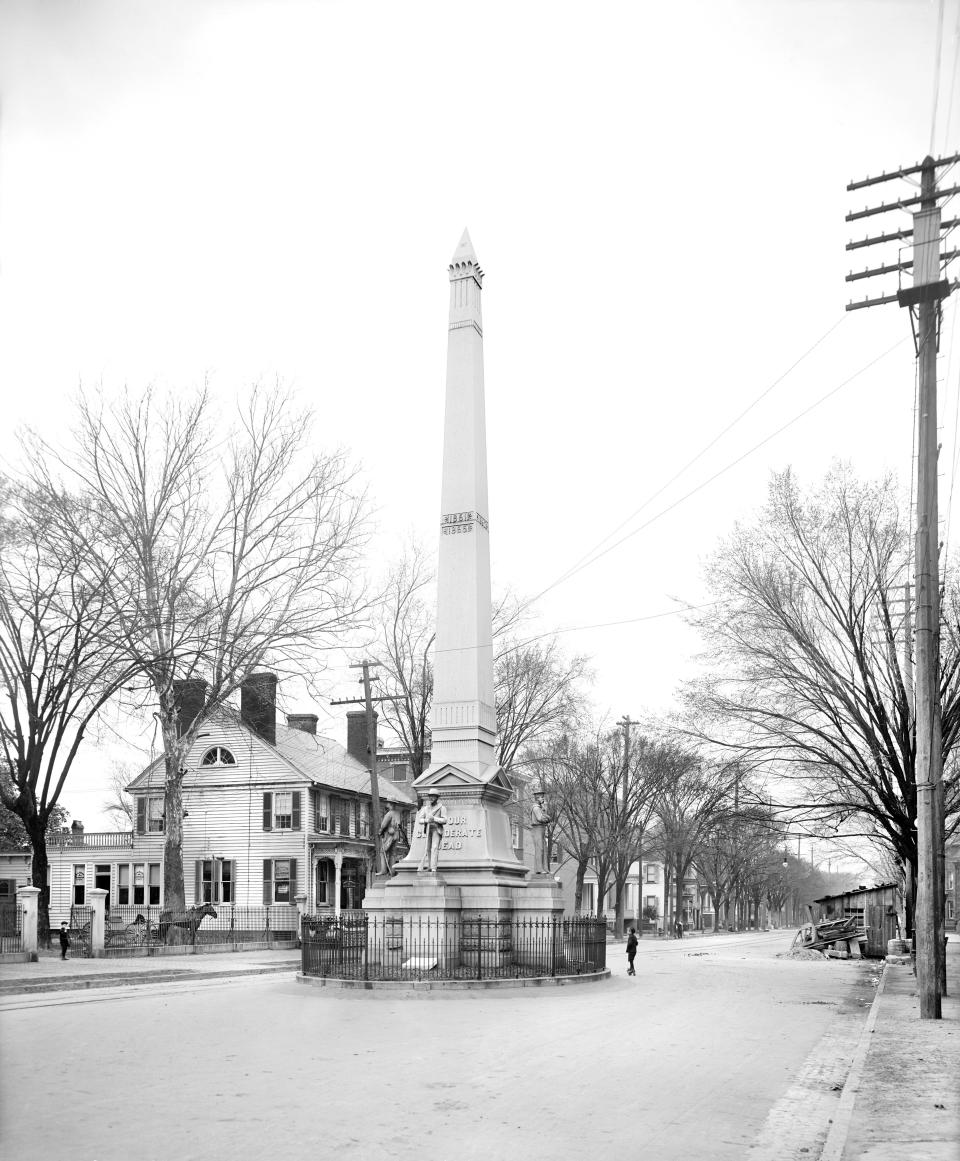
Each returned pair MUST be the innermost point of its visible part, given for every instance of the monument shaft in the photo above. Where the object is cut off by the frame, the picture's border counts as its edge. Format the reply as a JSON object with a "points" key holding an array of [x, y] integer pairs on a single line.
{"points": [[464, 721]]}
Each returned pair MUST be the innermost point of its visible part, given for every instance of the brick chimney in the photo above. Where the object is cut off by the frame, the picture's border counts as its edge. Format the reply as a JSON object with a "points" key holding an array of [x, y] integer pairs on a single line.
{"points": [[357, 735], [190, 695], [258, 705], [305, 722]]}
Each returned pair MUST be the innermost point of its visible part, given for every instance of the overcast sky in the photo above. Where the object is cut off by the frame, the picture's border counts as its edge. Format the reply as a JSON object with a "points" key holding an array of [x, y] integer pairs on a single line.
{"points": [[656, 192]]}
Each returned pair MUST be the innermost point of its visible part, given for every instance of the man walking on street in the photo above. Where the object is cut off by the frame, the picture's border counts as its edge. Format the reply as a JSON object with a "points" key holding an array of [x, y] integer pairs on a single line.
{"points": [[64, 940], [631, 951]]}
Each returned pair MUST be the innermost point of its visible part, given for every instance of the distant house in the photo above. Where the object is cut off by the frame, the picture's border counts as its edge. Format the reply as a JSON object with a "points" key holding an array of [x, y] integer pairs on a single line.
{"points": [[952, 886], [271, 811]]}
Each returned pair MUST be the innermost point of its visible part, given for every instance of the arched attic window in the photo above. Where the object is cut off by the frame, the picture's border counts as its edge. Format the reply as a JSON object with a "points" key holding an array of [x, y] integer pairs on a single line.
{"points": [[218, 756]]}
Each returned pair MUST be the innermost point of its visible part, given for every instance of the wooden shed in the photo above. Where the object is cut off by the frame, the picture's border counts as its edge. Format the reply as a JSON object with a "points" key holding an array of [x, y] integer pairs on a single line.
{"points": [[875, 908]]}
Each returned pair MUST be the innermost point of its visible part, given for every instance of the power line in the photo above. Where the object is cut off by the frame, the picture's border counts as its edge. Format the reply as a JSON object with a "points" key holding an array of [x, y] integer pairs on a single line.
{"points": [[936, 74], [953, 73], [796, 363], [756, 447]]}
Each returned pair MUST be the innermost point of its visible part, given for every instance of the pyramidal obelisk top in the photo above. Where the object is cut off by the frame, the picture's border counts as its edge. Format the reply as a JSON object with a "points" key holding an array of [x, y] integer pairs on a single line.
{"points": [[464, 719]]}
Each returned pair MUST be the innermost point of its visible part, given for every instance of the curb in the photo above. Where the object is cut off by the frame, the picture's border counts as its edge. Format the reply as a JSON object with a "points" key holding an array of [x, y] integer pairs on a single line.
{"points": [[437, 987], [840, 1129], [133, 979]]}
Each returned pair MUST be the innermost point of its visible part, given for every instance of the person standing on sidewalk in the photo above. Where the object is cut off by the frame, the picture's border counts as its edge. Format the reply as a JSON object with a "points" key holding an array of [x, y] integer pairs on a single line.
{"points": [[631, 951], [64, 940], [679, 929]]}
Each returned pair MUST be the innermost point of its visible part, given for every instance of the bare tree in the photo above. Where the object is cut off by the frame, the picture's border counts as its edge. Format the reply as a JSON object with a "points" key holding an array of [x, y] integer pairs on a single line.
{"points": [[692, 796], [539, 695], [574, 777], [234, 549], [119, 806], [405, 635], [808, 675], [62, 658], [537, 688]]}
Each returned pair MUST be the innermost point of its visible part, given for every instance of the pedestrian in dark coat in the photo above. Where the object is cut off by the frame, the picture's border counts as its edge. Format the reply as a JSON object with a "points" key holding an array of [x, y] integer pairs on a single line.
{"points": [[631, 951], [64, 940], [679, 929]]}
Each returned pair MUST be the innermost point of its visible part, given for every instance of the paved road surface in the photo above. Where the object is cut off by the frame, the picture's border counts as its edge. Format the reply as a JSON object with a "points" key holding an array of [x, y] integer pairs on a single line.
{"points": [[716, 1050]]}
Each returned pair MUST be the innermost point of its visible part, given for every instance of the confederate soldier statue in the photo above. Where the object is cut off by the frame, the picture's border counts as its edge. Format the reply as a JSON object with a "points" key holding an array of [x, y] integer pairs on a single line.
{"points": [[539, 822], [390, 829], [432, 818]]}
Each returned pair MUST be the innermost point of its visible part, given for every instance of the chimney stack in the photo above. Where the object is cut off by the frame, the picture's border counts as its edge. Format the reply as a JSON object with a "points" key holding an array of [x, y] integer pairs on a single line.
{"points": [[258, 705], [357, 735], [305, 722], [191, 695]]}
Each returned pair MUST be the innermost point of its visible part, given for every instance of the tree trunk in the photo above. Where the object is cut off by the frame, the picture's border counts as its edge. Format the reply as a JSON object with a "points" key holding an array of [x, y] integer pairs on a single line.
{"points": [[678, 894], [40, 877], [578, 886], [716, 911], [173, 890]]}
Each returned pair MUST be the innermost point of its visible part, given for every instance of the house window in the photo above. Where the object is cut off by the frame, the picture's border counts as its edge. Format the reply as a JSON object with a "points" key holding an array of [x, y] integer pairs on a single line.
{"points": [[364, 819], [279, 880], [653, 874], [154, 884], [150, 815], [652, 902], [8, 890], [281, 810], [123, 884], [138, 883], [79, 884], [344, 816], [214, 880], [218, 756], [515, 835], [155, 815], [950, 881], [323, 812], [950, 909], [398, 772]]}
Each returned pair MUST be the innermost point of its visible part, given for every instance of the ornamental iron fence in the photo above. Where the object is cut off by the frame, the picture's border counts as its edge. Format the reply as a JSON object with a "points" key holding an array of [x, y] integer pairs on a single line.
{"points": [[359, 946], [11, 926], [130, 928], [81, 921]]}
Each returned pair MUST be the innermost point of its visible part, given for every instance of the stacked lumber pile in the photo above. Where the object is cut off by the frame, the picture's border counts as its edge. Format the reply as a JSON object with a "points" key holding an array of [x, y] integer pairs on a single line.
{"points": [[837, 938]]}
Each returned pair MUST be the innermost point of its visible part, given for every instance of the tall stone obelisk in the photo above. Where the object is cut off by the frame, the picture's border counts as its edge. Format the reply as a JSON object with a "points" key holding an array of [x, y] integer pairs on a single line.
{"points": [[464, 717], [477, 867]]}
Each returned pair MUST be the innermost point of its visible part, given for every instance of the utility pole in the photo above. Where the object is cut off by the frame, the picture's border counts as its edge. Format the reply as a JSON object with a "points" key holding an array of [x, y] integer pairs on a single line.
{"points": [[923, 299], [367, 702]]}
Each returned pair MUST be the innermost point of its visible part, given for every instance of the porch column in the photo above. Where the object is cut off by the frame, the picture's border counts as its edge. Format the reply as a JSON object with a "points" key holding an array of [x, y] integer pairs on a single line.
{"points": [[97, 899], [337, 867], [28, 902]]}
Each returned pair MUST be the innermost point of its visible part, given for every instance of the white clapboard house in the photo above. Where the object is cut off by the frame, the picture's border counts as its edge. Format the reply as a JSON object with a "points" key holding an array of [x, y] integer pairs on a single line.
{"points": [[271, 811]]}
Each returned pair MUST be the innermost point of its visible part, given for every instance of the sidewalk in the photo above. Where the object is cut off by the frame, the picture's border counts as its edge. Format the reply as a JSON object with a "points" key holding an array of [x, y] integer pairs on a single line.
{"points": [[902, 1096], [52, 974]]}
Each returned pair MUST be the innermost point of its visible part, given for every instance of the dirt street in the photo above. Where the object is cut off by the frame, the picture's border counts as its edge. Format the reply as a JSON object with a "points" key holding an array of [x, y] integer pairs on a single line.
{"points": [[716, 1049]]}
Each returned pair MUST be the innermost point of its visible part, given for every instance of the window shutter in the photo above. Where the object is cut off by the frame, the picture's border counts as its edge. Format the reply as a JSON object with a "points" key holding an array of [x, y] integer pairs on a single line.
{"points": [[267, 880], [197, 880], [293, 879], [233, 881], [267, 811], [141, 816], [296, 810]]}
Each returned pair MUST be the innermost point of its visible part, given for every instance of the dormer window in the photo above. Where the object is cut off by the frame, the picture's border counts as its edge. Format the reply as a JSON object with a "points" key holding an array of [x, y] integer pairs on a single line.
{"points": [[218, 756]]}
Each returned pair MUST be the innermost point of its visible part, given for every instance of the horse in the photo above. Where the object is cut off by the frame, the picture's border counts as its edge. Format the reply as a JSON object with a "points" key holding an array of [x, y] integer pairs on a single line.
{"points": [[188, 920]]}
